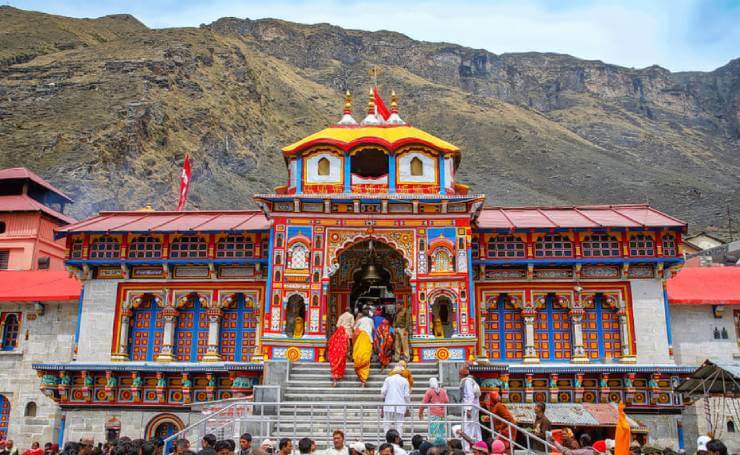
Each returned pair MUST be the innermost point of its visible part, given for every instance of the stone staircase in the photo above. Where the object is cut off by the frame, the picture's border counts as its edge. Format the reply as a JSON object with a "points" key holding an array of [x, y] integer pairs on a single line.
{"points": [[339, 407]]}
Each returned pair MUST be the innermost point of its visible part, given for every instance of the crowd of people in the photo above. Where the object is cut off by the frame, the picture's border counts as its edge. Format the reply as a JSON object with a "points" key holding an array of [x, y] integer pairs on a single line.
{"points": [[393, 445]]}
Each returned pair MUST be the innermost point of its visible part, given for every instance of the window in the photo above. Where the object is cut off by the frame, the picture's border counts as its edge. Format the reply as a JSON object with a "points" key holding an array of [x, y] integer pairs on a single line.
{"points": [[191, 330], [145, 247], [553, 246], [105, 247], [235, 246], [75, 250], [600, 245], [416, 167], [189, 246], [324, 166], [503, 330], [669, 245], [4, 259], [601, 332], [30, 409], [442, 260], [298, 257], [147, 328], [238, 330], [552, 332], [730, 426], [3, 227], [11, 328], [642, 245], [506, 246]]}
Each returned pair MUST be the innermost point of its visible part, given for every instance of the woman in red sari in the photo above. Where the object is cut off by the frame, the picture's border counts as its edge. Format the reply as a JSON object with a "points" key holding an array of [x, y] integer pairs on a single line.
{"points": [[384, 344], [338, 354]]}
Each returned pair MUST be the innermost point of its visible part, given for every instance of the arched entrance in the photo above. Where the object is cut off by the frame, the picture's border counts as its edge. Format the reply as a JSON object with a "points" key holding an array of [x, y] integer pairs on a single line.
{"points": [[370, 273], [295, 316], [443, 317], [164, 426]]}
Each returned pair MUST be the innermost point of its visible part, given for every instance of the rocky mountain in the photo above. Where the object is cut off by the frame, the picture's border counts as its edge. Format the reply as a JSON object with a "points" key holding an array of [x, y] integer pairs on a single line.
{"points": [[106, 109]]}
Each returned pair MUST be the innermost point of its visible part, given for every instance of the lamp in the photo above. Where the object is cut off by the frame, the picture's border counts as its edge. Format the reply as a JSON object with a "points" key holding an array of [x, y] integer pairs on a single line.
{"points": [[39, 308], [718, 311]]}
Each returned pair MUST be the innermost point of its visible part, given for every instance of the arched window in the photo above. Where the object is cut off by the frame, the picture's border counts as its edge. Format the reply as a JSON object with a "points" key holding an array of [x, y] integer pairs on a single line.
{"points": [[442, 260], [554, 245], [75, 249], [147, 328], [416, 167], [730, 426], [600, 245], [188, 246], [191, 331], [669, 245], [105, 247], [235, 246], [506, 246], [642, 245], [238, 330], [324, 166], [298, 257], [552, 334], [30, 409], [145, 247], [601, 333], [11, 329], [504, 330], [4, 416]]}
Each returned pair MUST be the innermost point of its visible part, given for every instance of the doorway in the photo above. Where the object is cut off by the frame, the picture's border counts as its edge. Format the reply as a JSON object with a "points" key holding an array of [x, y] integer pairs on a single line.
{"points": [[443, 315]]}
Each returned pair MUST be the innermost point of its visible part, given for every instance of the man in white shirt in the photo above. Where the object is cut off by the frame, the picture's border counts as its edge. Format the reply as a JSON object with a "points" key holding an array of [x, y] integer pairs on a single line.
{"points": [[396, 395], [470, 397], [338, 447]]}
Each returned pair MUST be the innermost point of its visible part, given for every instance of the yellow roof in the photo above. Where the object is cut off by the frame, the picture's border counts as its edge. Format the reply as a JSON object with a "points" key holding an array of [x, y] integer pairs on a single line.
{"points": [[390, 136]]}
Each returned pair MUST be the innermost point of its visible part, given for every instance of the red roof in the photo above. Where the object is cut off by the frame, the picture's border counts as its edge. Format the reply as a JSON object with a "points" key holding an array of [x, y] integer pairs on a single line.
{"points": [[24, 203], [217, 221], [23, 173], [38, 286], [587, 216], [705, 286]]}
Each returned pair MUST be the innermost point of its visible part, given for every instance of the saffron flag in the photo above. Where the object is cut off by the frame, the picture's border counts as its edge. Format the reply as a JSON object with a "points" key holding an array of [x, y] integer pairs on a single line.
{"points": [[380, 107], [623, 435], [184, 183]]}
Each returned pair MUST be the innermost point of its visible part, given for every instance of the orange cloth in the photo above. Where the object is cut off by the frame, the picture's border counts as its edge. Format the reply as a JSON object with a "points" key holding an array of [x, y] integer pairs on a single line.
{"points": [[338, 353], [383, 343], [623, 434], [362, 352]]}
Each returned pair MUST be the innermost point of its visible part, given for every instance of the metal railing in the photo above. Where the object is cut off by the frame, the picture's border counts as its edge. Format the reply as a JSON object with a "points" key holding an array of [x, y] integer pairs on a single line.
{"points": [[360, 421]]}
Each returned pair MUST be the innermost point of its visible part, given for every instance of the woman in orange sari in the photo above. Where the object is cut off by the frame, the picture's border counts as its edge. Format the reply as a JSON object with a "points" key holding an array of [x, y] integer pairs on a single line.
{"points": [[383, 344], [338, 354]]}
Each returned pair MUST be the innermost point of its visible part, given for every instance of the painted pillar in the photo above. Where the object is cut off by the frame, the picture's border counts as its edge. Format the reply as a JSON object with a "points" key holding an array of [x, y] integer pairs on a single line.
{"points": [[214, 327], [122, 352], [530, 353], [579, 353], [441, 160], [392, 173], [299, 174], [347, 173], [167, 352]]}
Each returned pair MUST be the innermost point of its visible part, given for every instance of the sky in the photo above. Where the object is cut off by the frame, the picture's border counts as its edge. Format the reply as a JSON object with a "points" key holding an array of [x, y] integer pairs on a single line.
{"points": [[680, 35]]}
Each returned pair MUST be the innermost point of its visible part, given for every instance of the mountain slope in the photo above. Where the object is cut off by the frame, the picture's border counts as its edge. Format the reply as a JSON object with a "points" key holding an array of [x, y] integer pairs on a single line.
{"points": [[109, 120]]}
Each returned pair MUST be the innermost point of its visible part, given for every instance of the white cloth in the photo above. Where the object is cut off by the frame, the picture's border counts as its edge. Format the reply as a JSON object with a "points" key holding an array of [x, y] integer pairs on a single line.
{"points": [[398, 450], [393, 420], [347, 321], [471, 426], [332, 451], [365, 323], [396, 394]]}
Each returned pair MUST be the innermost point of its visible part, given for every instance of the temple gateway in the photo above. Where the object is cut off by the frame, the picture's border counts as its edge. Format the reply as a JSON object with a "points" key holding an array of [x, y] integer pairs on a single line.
{"points": [[558, 304]]}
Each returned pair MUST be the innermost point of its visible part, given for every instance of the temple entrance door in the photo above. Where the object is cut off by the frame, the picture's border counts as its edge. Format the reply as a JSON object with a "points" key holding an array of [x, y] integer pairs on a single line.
{"points": [[443, 315], [295, 317]]}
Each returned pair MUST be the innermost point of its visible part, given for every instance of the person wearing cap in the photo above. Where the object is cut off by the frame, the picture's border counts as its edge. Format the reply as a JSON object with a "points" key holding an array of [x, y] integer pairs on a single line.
{"points": [[357, 448], [498, 447], [701, 445], [435, 394], [480, 448], [268, 446], [610, 445]]}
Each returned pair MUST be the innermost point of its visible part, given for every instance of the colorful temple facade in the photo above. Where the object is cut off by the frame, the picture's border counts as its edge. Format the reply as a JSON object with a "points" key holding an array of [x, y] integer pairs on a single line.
{"points": [[561, 304]]}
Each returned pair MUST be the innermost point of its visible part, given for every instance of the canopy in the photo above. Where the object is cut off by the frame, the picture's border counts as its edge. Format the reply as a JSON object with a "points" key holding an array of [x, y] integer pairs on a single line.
{"points": [[705, 286], [572, 414], [714, 378], [38, 286]]}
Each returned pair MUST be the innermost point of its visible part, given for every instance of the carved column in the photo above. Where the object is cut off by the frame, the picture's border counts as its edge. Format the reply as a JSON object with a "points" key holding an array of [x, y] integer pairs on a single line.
{"points": [[121, 353], [530, 353], [579, 353], [624, 334], [167, 351], [214, 327], [553, 388]]}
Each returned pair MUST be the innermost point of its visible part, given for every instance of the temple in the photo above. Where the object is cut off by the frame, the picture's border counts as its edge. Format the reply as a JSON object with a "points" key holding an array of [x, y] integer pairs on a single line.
{"points": [[559, 304]]}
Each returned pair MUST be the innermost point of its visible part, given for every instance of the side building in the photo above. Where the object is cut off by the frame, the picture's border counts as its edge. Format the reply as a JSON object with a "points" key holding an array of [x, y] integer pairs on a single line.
{"points": [[38, 304]]}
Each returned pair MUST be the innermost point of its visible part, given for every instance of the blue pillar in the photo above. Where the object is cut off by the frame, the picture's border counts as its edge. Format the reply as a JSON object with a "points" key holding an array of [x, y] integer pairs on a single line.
{"points": [[392, 173], [268, 285], [299, 174], [347, 173], [442, 183], [666, 305], [472, 315], [79, 318], [60, 436], [679, 430]]}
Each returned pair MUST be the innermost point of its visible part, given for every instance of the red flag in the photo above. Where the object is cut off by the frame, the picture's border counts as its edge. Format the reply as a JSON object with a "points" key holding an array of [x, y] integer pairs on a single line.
{"points": [[380, 107], [184, 183]]}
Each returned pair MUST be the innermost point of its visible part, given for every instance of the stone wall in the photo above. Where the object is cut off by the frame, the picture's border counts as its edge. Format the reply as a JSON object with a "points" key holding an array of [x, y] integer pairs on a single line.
{"points": [[47, 338], [695, 423], [96, 323], [651, 336], [693, 334], [663, 429]]}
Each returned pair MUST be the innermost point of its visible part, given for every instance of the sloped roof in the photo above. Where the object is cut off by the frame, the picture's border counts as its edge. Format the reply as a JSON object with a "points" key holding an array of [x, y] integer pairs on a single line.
{"points": [[202, 221], [24, 203], [713, 378], [571, 414], [38, 286], [574, 217], [705, 286], [23, 173], [389, 136]]}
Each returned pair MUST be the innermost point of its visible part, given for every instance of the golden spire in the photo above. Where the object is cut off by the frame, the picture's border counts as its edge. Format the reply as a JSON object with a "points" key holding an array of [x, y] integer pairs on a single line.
{"points": [[394, 102], [347, 103], [371, 103]]}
